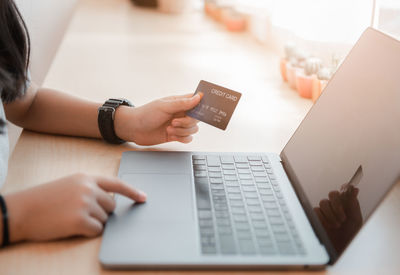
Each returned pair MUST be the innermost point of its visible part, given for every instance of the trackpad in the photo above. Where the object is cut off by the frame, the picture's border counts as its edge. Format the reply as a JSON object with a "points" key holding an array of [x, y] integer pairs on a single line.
{"points": [[169, 197]]}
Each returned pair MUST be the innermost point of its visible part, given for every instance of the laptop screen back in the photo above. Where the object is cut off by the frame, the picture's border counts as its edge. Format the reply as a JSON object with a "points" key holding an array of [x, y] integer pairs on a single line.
{"points": [[345, 155]]}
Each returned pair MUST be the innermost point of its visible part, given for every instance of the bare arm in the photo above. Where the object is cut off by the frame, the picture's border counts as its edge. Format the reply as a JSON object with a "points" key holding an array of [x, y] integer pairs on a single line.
{"points": [[50, 111]]}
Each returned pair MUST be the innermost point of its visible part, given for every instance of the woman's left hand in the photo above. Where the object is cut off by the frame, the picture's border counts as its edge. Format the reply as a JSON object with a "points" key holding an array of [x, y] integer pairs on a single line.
{"points": [[159, 121]]}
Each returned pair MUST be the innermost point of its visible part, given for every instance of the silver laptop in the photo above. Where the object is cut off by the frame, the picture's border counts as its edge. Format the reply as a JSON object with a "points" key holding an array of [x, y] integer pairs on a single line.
{"points": [[299, 209]]}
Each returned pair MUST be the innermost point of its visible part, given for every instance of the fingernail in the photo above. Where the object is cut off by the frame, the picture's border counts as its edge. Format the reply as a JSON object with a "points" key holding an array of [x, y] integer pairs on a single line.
{"points": [[175, 123], [142, 195]]}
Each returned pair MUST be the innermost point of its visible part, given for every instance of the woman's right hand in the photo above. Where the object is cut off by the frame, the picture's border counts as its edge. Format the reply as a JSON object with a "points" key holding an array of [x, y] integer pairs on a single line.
{"points": [[76, 205]]}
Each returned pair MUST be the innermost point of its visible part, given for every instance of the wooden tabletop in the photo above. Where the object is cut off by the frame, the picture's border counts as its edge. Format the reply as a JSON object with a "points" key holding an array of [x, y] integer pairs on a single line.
{"points": [[114, 49]]}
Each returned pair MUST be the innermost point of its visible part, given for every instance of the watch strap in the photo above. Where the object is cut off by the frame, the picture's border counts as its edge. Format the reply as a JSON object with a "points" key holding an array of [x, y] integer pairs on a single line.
{"points": [[105, 119]]}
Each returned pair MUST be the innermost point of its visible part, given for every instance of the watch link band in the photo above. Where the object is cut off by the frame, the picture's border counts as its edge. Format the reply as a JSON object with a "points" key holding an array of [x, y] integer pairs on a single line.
{"points": [[105, 119]]}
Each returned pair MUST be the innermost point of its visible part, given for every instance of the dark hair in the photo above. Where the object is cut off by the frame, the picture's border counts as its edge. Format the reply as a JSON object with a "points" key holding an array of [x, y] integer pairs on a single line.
{"points": [[14, 52]]}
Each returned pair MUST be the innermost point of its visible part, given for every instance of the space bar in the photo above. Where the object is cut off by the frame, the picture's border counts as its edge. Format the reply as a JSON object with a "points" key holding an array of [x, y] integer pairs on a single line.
{"points": [[202, 195]]}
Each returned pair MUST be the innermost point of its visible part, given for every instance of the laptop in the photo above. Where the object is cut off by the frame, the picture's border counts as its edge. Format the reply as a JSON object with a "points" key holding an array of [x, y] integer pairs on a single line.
{"points": [[294, 210]]}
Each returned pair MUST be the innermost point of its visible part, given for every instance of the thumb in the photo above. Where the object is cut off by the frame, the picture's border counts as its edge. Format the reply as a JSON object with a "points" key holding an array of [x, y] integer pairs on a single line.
{"points": [[181, 104]]}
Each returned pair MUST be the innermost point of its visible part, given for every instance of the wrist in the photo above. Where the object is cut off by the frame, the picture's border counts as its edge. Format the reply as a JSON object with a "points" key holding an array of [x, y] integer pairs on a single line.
{"points": [[16, 215], [125, 122]]}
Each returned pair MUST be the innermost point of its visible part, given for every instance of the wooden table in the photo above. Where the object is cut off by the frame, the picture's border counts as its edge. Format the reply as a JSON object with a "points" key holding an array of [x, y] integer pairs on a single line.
{"points": [[114, 49]]}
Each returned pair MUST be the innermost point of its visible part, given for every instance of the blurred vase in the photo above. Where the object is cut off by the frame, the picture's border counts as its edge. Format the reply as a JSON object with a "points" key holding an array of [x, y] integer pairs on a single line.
{"points": [[174, 6], [304, 84]]}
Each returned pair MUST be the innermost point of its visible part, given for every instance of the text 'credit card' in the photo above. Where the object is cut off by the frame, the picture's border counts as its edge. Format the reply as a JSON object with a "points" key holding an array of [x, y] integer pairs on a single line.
{"points": [[216, 106]]}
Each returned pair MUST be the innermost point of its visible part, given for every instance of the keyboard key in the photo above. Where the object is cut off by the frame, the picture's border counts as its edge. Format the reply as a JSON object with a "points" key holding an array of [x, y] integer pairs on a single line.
{"points": [[273, 212], [227, 243], [249, 189], [260, 224], [286, 249], [235, 189], [244, 171], [245, 176], [265, 191], [242, 165], [256, 216], [276, 220], [215, 174], [261, 232], [247, 247], [213, 161], [230, 177], [244, 234], [229, 172], [224, 230], [265, 159], [202, 196], [214, 169], [216, 180], [227, 159], [222, 214], [267, 250], [255, 163], [208, 250], [201, 181], [253, 202], [257, 169], [223, 222], [268, 198], [247, 182], [261, 179], [200, 174], [238, 210], [217, 186], [234, 196], [270, 205], [204, 214], [236, 203], [242, 226], [254, 158], [228, 166], [199, 162], [265, 242], [254, 209], [206, 223], [240, 218], [282, 237], [198, 157], [199, 167], [270, 171], [207, 231], [240, 159], [231, 182], [259, 174], [279, 228], [252, 195]]}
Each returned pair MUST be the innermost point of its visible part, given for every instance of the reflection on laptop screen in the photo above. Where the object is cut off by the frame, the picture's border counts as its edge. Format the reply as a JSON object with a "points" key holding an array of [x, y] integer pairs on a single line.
{"points": [[346, 153]]}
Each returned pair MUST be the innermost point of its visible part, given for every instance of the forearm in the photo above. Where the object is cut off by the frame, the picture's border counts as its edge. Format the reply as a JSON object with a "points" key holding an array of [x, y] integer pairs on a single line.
{"points": [[59, 113]]}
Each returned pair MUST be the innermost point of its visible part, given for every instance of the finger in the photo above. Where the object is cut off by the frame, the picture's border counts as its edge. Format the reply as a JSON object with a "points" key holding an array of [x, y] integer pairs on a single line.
{"points": [[337, 207], [96, 211], [328, 213], [185, 121], [182, 132], [180, 104], [115, 185], [92, 227], [321, 217], [180, 139], [106, 201]]}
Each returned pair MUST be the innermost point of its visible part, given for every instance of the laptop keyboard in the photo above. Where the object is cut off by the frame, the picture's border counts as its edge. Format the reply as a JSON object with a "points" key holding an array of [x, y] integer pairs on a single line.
{"points": [[241, 209]]}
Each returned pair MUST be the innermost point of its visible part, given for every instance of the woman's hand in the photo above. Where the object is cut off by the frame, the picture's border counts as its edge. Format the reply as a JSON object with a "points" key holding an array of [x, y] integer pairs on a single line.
{"points": [[159, 121], [76, 205]]}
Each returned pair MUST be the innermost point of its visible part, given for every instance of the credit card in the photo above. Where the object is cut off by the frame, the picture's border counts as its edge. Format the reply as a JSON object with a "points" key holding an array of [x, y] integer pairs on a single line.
{"points": [[216, 106]]}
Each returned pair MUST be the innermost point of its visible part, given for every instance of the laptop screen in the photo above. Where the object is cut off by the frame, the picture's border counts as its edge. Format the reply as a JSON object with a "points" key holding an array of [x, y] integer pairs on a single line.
{"points": [[345, 155]]}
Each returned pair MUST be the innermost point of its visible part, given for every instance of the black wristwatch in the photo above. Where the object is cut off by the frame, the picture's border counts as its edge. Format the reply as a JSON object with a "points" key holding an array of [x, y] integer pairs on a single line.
{"points": [[105, 119]]}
